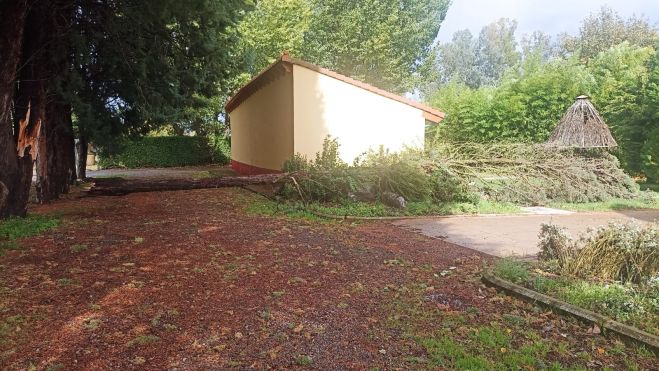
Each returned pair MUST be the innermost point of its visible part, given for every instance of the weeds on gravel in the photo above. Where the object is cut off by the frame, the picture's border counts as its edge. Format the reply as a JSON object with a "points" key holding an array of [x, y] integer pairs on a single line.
{"points": [[143, 340], [304, 360], [78, 248], [9, 325], [460, 340]]}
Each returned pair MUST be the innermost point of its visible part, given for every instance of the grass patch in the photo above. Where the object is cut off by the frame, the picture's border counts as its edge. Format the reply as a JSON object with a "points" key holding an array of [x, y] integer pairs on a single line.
{"points": [[91, 324], [303, 360], [262, 206], [636, 305], [16, 228], [9, 325], [143, 340], [66, 282], [512, 270], [278, 294], [647, 200], [79, 248]]}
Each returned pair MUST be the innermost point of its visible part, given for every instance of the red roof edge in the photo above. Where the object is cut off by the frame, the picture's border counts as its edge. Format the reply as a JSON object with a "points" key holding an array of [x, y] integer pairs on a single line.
{"points": [[243, 93]]}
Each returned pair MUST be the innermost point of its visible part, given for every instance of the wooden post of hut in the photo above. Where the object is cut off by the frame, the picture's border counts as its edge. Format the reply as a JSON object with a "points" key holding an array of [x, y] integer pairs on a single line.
{"points": [[582, 127]]}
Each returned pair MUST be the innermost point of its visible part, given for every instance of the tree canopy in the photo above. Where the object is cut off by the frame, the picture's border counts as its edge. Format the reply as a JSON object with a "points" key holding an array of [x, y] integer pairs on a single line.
{"points": [[384, 43]]}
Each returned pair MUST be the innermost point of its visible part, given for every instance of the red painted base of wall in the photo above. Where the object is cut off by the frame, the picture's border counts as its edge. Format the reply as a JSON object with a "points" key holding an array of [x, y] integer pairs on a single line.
{"points": [[245, 169]]}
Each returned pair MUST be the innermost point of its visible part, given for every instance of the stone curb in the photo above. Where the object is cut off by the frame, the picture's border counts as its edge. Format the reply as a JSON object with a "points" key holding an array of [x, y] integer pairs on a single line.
{"points": [[629, 332]]}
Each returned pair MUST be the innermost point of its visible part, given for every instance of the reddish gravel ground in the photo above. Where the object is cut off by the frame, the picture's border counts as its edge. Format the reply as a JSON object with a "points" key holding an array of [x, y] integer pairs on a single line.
{"points": [[188, 280]]}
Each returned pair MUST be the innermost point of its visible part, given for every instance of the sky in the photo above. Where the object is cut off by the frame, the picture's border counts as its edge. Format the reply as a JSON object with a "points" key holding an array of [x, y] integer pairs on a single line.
{"points": [[550, 16]]}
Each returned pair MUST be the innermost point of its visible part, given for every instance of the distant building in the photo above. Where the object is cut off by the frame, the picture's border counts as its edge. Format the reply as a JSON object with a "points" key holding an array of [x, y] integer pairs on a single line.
{"points": [[293, 105]]}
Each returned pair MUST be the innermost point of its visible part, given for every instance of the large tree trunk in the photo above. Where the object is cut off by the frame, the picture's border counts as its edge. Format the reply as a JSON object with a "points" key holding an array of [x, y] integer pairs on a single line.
{"points": [[81, 157], [30, 100], [118, 186], [45, 65], [13, 192], [56, 164]]}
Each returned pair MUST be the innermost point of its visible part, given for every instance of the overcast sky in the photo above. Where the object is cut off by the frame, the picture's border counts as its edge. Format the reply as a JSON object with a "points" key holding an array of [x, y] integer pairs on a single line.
{"points": [[550, 16]]}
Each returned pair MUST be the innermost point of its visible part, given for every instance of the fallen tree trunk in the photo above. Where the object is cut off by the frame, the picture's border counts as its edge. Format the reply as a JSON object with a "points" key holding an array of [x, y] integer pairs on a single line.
{"points": [[119, 186]]}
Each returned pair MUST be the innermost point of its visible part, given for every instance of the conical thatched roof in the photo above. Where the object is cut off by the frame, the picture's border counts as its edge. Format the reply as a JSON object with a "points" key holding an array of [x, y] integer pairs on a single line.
{"points": [[582, 127]]}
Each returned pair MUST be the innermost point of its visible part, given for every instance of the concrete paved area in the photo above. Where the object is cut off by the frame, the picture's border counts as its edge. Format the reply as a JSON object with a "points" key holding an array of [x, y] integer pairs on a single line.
{"points": [[515, 235]]}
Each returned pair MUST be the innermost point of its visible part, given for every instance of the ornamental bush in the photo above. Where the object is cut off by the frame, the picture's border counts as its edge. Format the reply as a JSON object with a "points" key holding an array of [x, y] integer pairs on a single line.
{"points": [[159, 152]]}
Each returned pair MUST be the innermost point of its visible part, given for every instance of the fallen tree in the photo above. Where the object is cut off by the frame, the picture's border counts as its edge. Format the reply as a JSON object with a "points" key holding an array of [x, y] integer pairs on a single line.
{"points": [[120, 186]]}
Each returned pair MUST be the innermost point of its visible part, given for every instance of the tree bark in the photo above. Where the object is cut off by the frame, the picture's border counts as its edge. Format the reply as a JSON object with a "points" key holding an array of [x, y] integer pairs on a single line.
{"points": [[13, 192], [30, 100], [43, 76], [56, 164], [81, 157]]}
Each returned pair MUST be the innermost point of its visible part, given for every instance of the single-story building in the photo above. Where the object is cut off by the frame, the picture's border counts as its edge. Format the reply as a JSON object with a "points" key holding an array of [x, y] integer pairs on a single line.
{"points": [[293, 105]]}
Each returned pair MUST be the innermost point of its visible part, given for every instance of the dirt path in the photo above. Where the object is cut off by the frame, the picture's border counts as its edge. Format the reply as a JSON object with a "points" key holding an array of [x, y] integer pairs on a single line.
{"points": [[515, 235], [187, 280]]}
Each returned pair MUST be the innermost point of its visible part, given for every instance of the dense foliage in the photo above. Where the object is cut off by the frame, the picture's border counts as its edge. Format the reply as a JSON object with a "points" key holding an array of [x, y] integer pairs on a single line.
{"points": [[159, 152], [384, 43], [523, 97]]}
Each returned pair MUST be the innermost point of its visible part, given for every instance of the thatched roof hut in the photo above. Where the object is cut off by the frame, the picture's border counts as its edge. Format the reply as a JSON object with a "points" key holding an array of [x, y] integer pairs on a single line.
{"points": [[582, 127]]}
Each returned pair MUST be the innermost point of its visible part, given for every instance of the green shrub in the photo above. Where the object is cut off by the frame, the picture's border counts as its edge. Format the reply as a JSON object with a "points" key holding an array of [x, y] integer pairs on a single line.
{"points": [[221, 149], [389, 172], [326, 179], [159, 152], [448, 188]]}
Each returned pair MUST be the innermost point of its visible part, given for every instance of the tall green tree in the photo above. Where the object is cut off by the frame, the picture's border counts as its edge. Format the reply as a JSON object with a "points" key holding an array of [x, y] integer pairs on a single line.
{"points": [[539, 45], [475, 62], [121, 67], [606, 28], [272, 27], [622, 75], [497, 50], [457, 60], [650, 104], [140, 65], [382, 42]]}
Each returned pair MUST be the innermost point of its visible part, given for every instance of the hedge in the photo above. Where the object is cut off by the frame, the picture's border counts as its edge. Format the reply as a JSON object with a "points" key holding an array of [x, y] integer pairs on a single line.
{"points": [[165, 152]]}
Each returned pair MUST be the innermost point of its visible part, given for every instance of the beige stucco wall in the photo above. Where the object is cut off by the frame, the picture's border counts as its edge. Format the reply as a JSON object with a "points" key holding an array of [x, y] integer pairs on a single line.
{"points": [[262, 126], [358, 118]]}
